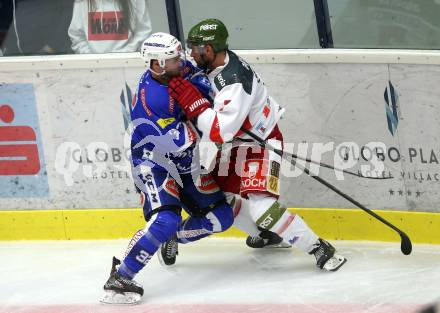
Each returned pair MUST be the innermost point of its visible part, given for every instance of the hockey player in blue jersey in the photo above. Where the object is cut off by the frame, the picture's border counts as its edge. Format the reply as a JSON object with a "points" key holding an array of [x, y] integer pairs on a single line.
{"points": [[166, 170]]}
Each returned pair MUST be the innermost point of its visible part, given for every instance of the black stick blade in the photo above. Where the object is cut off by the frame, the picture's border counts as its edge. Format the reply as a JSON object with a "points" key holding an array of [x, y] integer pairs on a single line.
{"points": [[405, 245]]}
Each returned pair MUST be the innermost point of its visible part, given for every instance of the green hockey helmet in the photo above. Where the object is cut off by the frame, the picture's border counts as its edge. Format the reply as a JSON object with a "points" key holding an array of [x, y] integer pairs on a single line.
{"points": [[210, 31]]}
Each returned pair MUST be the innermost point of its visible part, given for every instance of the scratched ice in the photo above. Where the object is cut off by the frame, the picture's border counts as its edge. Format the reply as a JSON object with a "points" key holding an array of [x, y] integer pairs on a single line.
{"points": [[220, 275]]}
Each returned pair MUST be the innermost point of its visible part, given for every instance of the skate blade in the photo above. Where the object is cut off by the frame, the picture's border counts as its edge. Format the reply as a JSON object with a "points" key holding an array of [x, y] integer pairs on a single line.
{"points": [[162, 262], [334, 263], [127, 298]]}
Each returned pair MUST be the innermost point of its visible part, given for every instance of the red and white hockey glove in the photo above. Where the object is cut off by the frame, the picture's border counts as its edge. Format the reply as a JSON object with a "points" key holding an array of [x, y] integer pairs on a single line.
{"points": [[188, 96]]}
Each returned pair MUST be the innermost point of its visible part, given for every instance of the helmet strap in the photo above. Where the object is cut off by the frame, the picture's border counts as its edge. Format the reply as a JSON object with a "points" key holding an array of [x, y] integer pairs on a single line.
{"points": [[156, 73], [162, 65]]}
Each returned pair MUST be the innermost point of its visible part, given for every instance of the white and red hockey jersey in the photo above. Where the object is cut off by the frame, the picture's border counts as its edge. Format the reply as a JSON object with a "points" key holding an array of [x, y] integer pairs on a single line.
{"points": [[240, 100]]}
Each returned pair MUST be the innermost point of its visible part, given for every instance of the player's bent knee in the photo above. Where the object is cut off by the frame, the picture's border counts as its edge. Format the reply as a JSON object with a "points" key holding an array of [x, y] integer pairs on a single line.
{"points": [[271, 216], [164, 225]]}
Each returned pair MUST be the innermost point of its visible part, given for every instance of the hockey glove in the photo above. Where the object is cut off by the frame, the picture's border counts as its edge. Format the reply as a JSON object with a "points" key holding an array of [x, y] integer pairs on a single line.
{"points": [[188, 97]]}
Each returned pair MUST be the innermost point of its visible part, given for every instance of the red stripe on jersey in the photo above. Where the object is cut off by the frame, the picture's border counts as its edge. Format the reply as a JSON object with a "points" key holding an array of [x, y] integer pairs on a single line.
{"points": [[133, 102], [144, 102], [214, 134]]}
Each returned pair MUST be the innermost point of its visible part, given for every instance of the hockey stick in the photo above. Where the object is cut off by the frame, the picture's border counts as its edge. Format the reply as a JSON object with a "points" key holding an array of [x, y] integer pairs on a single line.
{"points": [[405, 244]]}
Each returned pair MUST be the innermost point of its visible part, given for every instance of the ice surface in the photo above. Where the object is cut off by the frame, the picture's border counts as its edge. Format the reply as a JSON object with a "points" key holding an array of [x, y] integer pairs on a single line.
{"points": [[220, 275]]}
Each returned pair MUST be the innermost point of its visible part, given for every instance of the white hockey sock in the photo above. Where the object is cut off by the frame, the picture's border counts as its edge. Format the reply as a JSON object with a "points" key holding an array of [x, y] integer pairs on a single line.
{"points": [[268, 214], [298, 233], [242, 216]]}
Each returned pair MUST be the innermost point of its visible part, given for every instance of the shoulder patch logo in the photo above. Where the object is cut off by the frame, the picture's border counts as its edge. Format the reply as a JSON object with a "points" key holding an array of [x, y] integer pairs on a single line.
{"points": [[164, 122]]}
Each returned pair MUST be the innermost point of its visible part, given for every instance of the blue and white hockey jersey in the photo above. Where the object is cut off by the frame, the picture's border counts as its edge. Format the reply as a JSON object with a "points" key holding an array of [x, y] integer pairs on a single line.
{"points": [[162, 138]]}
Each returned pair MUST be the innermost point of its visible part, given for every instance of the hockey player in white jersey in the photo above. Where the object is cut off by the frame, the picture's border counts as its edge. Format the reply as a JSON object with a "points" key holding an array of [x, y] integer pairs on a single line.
{"points": [[248, 174]]}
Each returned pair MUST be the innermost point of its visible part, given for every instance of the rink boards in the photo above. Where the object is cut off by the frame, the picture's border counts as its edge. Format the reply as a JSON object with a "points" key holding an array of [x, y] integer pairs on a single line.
{"points": [[336, 224], [64, 146]]}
